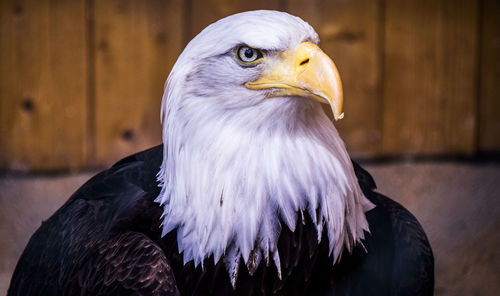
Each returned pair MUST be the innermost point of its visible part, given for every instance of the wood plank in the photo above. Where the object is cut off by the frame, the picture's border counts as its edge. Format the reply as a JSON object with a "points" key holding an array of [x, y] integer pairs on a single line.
{"points": [[204, 12], [136, 44], [429, 82], [489, 105], [43, 79], [349, 33]]}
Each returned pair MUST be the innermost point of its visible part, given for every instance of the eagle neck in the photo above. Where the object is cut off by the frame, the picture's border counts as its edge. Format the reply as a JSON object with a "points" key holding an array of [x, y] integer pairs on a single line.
{"points": [[231, 182]]}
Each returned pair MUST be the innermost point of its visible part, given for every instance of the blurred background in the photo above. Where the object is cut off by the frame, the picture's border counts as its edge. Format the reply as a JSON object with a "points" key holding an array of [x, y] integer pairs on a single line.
{"points": [[81, 84]]}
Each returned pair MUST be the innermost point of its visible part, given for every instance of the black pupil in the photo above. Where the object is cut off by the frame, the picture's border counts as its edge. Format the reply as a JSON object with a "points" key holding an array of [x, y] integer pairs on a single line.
{"points": [[248, 53]]}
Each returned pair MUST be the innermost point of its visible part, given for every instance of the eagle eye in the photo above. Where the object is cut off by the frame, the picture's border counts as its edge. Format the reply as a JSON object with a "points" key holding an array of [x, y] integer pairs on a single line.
{"points": [[248, 55]]}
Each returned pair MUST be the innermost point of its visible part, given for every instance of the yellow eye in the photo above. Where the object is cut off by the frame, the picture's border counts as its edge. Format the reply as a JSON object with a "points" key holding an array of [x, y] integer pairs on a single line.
{"points": [[248, 55]]}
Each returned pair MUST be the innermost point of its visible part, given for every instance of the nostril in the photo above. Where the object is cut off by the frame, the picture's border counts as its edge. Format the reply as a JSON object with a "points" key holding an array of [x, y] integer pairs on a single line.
{"points": [[304, 62]]}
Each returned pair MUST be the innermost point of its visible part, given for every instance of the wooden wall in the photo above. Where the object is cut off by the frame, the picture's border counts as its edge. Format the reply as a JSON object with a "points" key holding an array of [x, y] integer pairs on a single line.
{"points": [[81, 81]]}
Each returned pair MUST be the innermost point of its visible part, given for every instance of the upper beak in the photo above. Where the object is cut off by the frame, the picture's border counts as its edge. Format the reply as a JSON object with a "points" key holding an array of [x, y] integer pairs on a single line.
{"points": [[304, 71]]}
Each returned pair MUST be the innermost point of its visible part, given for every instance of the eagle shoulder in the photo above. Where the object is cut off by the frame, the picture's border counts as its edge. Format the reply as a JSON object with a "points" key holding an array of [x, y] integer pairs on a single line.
{"points": [[102, 240], [397, 236]]}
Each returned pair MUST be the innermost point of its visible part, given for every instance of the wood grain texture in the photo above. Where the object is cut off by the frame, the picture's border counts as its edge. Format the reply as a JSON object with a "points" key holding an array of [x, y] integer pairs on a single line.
{"points": [[429, 82], [137, 43], [349, 33], [204, 12], [489, 97], [43, 83], [81, 81]]}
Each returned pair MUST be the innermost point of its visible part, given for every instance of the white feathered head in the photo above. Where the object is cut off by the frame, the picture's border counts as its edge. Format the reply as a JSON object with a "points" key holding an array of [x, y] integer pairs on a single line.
{"points": [[247, 146]]}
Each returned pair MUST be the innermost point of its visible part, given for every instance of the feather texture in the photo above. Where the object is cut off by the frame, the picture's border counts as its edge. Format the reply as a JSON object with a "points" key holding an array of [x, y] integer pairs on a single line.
{"points": [[75, 253], [237, 165]]}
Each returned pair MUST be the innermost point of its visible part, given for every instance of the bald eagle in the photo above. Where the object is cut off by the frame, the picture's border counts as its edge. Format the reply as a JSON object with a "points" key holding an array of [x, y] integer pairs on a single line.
{"points": [[251, 193]]}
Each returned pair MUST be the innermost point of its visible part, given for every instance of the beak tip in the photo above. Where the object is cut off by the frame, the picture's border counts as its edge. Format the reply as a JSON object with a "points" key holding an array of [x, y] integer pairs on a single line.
{"points": [[339, 117]]}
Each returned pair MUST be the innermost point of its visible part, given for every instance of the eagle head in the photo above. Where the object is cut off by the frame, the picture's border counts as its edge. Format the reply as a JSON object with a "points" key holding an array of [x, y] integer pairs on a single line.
{"points": [[247, 146]]}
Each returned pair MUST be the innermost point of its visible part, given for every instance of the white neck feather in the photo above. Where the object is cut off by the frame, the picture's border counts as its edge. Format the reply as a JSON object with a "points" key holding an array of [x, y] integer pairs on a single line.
{"points": [[229, 179]]}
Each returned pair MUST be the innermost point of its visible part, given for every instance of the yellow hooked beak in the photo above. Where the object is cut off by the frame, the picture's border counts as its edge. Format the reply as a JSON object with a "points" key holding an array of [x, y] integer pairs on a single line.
{"points": [[304, 71]]}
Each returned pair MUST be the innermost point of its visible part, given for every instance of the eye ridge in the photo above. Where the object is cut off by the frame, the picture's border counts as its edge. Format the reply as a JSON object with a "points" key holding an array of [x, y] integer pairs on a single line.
{"points": [[248, 55]]}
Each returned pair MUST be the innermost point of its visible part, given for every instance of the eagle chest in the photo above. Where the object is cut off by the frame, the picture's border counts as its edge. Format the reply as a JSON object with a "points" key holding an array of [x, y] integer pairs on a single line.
{"points": [[306, 268]]}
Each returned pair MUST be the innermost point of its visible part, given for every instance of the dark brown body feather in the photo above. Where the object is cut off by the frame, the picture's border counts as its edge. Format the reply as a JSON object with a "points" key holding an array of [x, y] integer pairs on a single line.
{"points": [[106, 241]]}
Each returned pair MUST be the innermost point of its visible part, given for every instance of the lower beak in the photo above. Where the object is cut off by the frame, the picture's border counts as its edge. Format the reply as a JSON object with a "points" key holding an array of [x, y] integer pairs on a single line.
{"points": [[304, 71]]}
